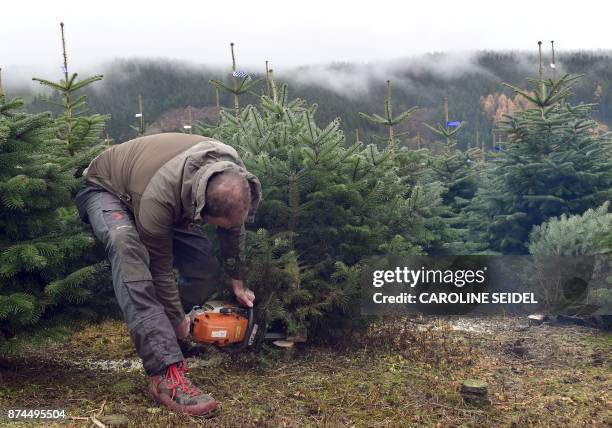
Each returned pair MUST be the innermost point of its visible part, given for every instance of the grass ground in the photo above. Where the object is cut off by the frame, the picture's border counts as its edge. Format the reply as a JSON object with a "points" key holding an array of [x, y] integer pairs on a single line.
{"points": [[400, 373]]}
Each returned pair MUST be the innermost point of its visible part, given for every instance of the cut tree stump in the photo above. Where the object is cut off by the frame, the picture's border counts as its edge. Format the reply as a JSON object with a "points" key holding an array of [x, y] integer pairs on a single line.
{"points": [[283, 343], [114, 420], [537, 319], [475, 392]]}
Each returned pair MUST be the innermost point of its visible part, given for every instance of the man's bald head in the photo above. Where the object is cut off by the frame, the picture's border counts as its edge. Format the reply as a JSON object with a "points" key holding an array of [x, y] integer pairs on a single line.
{"points": [[228, 196]]}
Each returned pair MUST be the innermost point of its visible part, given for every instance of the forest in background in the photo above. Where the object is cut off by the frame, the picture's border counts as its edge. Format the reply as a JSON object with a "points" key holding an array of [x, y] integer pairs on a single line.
{"points": [[472, 85]]}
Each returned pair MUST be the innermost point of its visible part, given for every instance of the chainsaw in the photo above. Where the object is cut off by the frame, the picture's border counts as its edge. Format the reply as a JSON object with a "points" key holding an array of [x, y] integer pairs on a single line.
{"points": [[229, 327]]}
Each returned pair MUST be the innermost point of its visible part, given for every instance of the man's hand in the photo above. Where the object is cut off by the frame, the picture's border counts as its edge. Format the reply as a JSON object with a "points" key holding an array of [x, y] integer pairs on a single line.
{"points": [[244, 296], [182, 330]]}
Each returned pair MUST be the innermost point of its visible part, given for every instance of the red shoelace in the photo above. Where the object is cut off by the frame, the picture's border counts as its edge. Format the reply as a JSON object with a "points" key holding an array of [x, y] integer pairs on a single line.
{"points": [[175, 378]]}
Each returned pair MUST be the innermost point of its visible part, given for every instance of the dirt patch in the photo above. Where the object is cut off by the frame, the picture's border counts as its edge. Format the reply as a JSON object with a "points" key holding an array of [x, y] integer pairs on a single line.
{"points": [[402, 372]]}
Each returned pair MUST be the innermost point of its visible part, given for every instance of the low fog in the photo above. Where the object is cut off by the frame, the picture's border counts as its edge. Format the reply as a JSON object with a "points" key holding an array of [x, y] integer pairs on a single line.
{"points": [[305, 42], [350, 79]]}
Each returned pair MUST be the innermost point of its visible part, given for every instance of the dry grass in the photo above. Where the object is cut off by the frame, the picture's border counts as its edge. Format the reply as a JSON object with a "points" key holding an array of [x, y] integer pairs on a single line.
{"points": [[400, 373]]}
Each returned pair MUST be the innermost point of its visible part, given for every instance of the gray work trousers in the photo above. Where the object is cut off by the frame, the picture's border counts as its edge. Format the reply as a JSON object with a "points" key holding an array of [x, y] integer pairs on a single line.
{"points": [[150, 329]]}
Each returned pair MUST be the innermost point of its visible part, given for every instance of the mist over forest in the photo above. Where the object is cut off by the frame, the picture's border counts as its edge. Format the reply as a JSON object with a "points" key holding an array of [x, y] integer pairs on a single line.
{"points": [[472, 83]]}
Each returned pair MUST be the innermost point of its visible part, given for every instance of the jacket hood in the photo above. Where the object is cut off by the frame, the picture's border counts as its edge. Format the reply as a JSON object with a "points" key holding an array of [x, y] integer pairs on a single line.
{"points": [[203, 176]]}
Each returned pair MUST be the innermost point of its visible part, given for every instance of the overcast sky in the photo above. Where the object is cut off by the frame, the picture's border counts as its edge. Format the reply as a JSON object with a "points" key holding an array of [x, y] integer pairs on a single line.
{"points": [[286, 32]]}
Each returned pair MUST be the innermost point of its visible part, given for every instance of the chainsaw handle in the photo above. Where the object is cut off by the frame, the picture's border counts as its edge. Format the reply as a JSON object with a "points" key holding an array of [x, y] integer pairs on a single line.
{"points": [[239, 347]]}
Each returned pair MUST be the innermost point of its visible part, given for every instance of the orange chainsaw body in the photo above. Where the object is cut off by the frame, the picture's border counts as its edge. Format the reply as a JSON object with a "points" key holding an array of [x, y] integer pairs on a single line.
{"points": [[219, 323]]}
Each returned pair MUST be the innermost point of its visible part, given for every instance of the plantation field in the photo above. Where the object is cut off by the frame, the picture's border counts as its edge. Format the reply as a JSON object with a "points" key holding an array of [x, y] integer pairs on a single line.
{"points": [[334, 200], [402, 372]]}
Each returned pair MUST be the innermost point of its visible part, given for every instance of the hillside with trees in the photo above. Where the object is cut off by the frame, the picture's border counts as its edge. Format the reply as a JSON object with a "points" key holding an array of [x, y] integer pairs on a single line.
{"points": [[475, 93]]}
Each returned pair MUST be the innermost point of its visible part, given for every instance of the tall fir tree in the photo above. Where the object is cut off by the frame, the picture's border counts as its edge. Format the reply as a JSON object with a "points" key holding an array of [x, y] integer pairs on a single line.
{"points": [[35, 247], [50, 271], [326, 205], [552, 164]]}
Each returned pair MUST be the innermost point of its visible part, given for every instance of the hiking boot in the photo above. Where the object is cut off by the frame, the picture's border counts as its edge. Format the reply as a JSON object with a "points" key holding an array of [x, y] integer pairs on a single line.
{"points": [[177, 392]]}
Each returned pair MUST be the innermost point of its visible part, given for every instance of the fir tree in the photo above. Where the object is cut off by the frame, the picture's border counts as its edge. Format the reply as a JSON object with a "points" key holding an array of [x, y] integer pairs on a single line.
{"points": [[241, 83], [49, 268], [389, 120], [448, 129], [326, 206], [577, 235], [79, 132], [34, 252], [457, 170], [552, 164], [580, 244]]}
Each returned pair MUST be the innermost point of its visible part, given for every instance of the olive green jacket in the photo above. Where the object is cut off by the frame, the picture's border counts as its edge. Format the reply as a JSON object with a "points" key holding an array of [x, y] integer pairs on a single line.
{"points": [[162, 178]]}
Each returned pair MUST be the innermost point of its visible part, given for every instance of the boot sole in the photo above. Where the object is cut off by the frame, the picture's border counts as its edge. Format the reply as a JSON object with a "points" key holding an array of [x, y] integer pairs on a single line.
{"points": [[178, 408], [210, 414]]}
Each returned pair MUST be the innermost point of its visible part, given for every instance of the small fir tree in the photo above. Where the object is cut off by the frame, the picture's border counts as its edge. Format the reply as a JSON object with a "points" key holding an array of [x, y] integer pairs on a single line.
{"points": [[457, 170], [241, 83], [389, 120]]}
